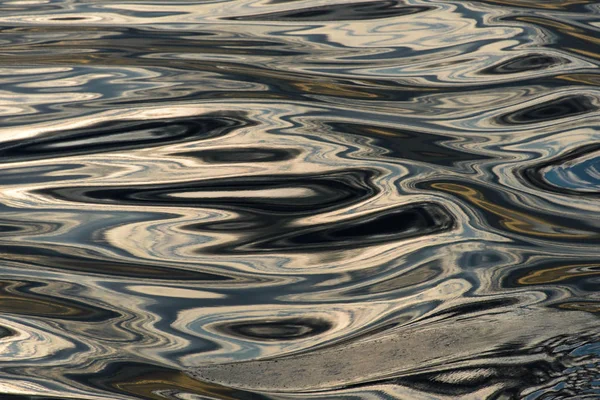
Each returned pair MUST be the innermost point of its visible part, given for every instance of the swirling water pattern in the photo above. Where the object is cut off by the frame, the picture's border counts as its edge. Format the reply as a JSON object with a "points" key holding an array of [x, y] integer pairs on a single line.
{"points": [[308, 199]]}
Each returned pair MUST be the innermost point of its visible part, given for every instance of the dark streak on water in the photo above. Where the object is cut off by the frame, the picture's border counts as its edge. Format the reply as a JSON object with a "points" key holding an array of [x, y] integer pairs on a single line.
{"points": [[310, 199]]}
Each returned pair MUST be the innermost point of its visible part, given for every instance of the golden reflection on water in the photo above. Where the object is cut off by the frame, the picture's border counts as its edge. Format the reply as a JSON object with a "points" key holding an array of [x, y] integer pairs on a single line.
{"points": [[513, 220], [559, 274]]}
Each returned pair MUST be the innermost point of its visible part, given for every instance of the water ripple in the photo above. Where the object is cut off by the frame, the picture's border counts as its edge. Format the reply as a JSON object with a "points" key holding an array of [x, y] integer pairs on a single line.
{"points": [[308, 199]]}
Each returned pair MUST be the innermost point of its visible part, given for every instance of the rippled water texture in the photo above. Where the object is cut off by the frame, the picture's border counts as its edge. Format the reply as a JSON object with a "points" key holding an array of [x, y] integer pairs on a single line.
{"points": [[299, 199]]}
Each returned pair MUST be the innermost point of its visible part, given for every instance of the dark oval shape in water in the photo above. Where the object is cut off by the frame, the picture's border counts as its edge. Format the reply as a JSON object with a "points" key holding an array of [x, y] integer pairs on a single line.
{"points": [[563, 107], [525, 63], [242, 155], [118, 136], [405, 222], [340, 12], [282, 330], [322, 192]]}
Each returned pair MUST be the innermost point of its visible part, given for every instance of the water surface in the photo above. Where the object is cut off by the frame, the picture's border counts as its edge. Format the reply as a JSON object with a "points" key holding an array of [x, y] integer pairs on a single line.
{"points": [[299, 199]]}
